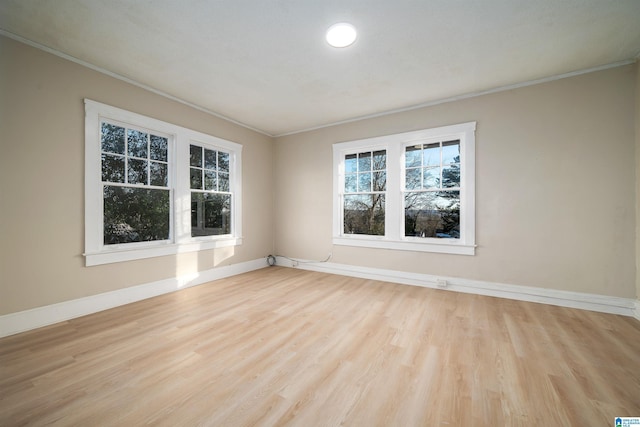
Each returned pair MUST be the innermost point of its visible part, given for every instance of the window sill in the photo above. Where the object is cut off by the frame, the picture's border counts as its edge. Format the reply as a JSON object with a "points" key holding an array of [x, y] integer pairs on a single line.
{"points": [[109, 256], [444, 246]]}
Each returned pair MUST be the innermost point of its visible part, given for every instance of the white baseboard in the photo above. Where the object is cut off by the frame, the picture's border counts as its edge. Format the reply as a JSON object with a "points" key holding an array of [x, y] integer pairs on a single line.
{"points": [[42, 316], [584, 301]]}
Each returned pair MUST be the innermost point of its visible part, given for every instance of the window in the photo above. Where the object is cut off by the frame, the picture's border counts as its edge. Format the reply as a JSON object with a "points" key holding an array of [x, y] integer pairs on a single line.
{"points": [[138, 174], [410, 191], [432, 190], [210, 192], [365, 184], [135, 185]]}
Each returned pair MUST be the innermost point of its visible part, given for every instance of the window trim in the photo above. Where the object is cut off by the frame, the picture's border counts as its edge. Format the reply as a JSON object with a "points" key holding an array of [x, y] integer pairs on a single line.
{"points": [[180, 138], [394, 237]]}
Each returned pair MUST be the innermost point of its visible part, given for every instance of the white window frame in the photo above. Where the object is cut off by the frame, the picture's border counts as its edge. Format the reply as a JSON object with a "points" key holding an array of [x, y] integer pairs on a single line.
{"points": [[180, 138], [395, 145]]}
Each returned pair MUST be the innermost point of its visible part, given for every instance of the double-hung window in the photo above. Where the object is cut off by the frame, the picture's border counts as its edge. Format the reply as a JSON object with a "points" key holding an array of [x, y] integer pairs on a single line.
{"points": [[410, 191], [432, 189], [365, 184], [210, 191], [153, 188], [135, 185]]}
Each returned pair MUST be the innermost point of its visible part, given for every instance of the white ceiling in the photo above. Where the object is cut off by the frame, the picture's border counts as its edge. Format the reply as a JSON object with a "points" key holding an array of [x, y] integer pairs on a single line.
{"points": [[265, 63]]}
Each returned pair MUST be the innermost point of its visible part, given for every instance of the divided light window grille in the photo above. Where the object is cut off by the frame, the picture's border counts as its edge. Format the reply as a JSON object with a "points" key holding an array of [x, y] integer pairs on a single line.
{"points": [[412, 191], [135, 183], [210, 191], [153, 188], [365, 185], [432, 190]]}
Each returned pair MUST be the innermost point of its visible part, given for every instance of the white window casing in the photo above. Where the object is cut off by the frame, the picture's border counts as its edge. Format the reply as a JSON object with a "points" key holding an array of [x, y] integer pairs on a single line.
{"points": [[180, 239], [395, 145]]}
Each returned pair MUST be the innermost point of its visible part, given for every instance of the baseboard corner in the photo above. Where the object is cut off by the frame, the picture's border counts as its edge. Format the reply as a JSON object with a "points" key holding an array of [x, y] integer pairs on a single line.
{"points": [[26, 320]]}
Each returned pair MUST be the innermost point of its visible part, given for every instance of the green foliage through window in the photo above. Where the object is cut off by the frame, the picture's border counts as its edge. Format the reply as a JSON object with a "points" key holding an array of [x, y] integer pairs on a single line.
{"points": [[134, 164], [135, 214]]}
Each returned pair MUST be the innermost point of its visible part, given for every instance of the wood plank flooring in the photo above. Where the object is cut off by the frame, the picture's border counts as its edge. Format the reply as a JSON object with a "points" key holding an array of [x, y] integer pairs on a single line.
{"points": [[286, 347]]}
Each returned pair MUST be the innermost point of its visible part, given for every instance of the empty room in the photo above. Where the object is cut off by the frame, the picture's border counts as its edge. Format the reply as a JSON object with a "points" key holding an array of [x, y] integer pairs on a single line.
{"points": [[319, 213]]}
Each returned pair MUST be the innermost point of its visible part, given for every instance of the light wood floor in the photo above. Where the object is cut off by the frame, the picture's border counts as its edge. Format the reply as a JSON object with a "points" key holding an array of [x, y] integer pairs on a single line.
{"points": [[288, 347]]}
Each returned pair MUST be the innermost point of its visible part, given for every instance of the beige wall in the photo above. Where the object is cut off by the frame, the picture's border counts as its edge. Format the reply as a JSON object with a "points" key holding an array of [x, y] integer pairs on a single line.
{"points": [[42, 181], [555, 166], [555, 187]]}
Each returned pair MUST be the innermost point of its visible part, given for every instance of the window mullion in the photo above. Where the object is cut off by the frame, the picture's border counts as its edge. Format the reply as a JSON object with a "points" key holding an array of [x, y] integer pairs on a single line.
{"points": [[126, 155], [148, 159], [338, 191], [182, 199], [394, 205]]}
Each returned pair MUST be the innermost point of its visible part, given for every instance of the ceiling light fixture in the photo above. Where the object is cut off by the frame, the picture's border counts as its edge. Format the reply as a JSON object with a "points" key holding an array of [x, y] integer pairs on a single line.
{"points": [[341, 35]]}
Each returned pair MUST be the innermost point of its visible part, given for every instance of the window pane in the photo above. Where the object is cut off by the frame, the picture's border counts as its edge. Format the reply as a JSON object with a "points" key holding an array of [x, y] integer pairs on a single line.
{"points": [[432, 214], [195, 156], [412, 156], [380, 160], [135, 215], [413, 179], [364, 162], [364, 214], [351, 163], [137, 171], [223, 181], [196, 178], [159, 174], [210, 214], [431, 178], [223, 161], [112, 138], [210, 159], [112, 168], [379, 181], [137, 143], [451, 176], [451, 152], [210, 180], [431, 154], [364, 182], [159, 147], [351, 183]]}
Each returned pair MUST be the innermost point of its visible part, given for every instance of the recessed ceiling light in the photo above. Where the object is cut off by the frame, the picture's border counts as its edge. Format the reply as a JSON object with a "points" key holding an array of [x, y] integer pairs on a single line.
{"points": [[341, 35]]}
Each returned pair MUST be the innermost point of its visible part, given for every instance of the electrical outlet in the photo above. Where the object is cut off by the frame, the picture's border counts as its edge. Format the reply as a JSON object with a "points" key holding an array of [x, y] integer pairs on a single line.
{"points": [[441, 283]]}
